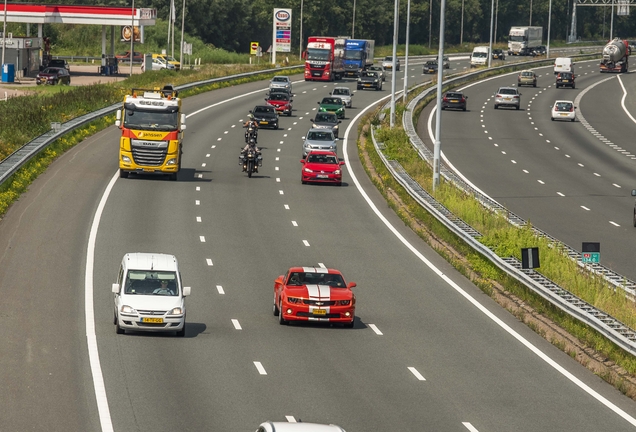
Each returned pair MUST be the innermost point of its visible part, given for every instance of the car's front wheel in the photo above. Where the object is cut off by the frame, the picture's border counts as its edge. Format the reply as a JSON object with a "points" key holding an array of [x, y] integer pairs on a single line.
{"points": [[181, 333], [275, 309], [281, 320]]}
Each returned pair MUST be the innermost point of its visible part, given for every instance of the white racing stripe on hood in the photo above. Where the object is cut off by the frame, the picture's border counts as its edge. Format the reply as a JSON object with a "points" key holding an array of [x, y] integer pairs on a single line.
{"points": [[313, 291], [309, 269], [319, 292]]}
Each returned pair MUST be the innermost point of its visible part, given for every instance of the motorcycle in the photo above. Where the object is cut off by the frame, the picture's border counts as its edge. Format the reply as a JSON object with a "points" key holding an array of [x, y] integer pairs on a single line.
{"points": [[251, 160], [250, 133]]}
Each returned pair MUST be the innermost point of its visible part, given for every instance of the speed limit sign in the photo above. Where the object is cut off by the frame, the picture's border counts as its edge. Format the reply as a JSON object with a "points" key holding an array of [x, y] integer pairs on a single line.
{"points": [[253, 48]]}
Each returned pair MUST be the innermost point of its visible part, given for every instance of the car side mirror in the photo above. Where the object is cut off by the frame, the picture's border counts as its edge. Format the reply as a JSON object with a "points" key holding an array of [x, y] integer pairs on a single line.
{"points": [[351, 285], [318, 103], [279, 280], [187, 291], [302, 161], [341, 162], [250, 111], [291, 100], [265, 99], [115, 287], [339, 121]]}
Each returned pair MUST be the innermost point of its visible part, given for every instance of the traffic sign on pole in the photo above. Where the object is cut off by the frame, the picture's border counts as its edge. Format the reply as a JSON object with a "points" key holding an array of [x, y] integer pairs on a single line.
{"points": [[253, 48]]}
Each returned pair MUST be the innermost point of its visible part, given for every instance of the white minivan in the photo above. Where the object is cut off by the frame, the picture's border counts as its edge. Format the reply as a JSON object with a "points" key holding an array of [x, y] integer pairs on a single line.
{"points": [[149, 296], [563, 64], [480, 56]]}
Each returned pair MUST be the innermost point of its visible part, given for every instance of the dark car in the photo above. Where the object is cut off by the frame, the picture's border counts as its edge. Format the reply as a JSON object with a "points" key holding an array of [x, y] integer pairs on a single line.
{"points": [[498, 54], [565, 79], [266, 116], [59, 63], [369, 79], [125, 57], [540, 50], [326, 120], [282, 90], [53, 75], [454, 100], [430, 67]]}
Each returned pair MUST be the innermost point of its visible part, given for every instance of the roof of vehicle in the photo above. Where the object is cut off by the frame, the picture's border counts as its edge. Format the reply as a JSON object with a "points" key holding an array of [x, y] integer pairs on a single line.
{"points": [[263, 108], [527, 72], [53, 69], [331, 100], [300, 427], [150, 261]]}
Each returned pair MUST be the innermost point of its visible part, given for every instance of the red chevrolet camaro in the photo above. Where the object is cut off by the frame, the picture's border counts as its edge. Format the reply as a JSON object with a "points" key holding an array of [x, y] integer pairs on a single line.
{"points": [[321, 167], [314, 294]]}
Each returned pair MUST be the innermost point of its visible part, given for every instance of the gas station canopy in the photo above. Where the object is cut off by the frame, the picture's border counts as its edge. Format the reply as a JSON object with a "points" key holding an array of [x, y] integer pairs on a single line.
{"points": [[96, 15]]}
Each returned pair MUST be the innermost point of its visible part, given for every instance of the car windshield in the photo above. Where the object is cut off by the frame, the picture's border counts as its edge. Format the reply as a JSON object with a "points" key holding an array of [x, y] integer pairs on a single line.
{"points": [[563, 106], [370, 74], [278, 97], [279, 79], [320, 136], [375, 68], [57, 63], [454, 95], [52, 71], [341, 91], [566, 75], [507, 91], [300, 279], [388, 58], [431, 63], [151, 282], [136, 118], [263, 110], [331, 101], [322, 159], [326, 118], [527, 74]]}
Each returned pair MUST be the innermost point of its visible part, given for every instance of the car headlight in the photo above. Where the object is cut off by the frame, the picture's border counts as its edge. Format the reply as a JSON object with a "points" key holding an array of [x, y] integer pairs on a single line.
{"points": [[336, 172], [359, 79], [340, 109], [336, 127], [176, 311], [314, 126], [343, 302], [125, 159], [172, 161], [127, 310], [294, 300], [375, 80], [308, 170]]}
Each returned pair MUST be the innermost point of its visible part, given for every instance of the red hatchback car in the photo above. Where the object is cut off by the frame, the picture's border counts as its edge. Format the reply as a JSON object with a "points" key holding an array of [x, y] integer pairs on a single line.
{"points": [[314, 294], [321, 167], [282, 102]]}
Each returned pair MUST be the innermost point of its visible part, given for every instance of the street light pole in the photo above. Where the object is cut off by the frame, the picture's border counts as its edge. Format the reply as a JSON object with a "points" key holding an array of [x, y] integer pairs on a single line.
{"points": [[132, 37], [547, 48], [300, 49], [393, 71], [461, 32], [353, 25], [4, 31], [430, 23], [406, 54], [612, 23], [182, 27], [530, 13], [437, 150], [492, 17]]}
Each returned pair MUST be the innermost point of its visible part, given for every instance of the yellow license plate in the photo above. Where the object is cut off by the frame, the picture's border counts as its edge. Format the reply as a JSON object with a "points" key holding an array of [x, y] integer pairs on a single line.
{"points": [[563, 114], [264, 122], [565, 81], [152, 320], [319, 312], [148, 170], [454, 100]]}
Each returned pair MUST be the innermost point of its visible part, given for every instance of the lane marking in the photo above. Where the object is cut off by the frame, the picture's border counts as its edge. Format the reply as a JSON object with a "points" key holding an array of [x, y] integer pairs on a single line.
{"points": [[198, 188], [198, 218], [321, 265], [417, 374], [260, 368], [202, 238], [286, 207], [294, 223], [614, 223], [470, 427], [290, 419], [219, 288], [375, 329], [197, 202], [585, 208], [209, 261], [305, 242], [207, 155], [236, 324], [281, 192]]}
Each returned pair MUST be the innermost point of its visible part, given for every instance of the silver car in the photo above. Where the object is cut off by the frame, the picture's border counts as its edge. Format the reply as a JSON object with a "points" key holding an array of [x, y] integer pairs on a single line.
{"points": [[297, 427], [508, 96], [281, 82], [343, 93], [379, 70], [387, 63], [319, 139]]}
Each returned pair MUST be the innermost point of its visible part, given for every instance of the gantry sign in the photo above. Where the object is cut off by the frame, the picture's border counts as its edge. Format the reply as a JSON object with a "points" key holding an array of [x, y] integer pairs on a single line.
{"points": [[622, 8]]}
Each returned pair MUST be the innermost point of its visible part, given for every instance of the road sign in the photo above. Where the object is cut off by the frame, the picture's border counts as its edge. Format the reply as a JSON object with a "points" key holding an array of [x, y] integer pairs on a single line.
{"points": [[591, 257], [254, 48]]}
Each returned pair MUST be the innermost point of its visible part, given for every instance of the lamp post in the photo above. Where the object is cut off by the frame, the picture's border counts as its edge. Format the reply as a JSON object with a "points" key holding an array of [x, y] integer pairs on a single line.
{"points": [[4, 31], [430, 22], [393, 71], [530, 13], [492, 17], [612, 23], [406, 54], [300, 37], [547, 48], [353, 25], [461, 32], [182, 29], [132, 36], [437, 149]]}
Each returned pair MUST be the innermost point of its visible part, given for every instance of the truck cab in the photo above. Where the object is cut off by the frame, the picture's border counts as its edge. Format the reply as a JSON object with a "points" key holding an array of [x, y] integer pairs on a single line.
{"points": [[479, 57]]}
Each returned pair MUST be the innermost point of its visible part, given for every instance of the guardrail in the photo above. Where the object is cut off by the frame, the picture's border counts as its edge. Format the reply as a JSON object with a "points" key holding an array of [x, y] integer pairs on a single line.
{"points": [[21, 156], [608, 326]]}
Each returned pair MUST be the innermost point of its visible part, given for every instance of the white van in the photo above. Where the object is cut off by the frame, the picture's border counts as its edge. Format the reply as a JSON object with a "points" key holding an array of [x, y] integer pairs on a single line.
{"points": [[480, 56], [563, 64], [149, 296]]}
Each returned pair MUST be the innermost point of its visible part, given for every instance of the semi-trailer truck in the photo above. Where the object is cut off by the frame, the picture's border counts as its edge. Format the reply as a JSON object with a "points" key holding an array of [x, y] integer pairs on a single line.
{"points": [[358, 56], [615, 56], [524, 40], [324, 58]]}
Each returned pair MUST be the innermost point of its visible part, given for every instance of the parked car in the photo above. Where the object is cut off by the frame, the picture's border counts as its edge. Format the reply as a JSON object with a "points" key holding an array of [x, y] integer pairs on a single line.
{"points": [[169, 59], [125, 57], [60, 63], [379, 70], [53, 75], [266, 116], [565, 79], [326, 120], [321, 167], [158, 63], [343, 93], [508, 97], [319, 139], [527, 77], [498, 54], [563, 110], [387, 63], [454, 99]]}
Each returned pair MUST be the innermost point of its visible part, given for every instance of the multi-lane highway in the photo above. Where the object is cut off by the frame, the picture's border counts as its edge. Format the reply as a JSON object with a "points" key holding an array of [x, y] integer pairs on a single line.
{"points": [[572, 180], [428, 351]]}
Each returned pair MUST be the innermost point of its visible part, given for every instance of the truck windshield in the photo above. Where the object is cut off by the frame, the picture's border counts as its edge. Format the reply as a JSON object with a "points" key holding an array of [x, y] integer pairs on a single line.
{"points": [[479, 55], [353, 55], [155, 120], [517, 38], [318, 54]]}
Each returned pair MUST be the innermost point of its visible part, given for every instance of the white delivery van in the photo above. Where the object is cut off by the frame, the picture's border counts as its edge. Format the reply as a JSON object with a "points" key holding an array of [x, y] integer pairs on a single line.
{"points": [[563, 64], [149, 296], [480, 56]]}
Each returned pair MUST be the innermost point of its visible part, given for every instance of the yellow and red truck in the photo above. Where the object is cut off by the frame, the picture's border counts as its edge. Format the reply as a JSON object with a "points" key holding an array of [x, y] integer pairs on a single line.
{"points": [[152, 126]]}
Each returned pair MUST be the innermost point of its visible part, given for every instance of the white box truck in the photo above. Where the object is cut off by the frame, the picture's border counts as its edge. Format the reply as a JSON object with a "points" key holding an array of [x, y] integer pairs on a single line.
{"points": [[523, 40]]}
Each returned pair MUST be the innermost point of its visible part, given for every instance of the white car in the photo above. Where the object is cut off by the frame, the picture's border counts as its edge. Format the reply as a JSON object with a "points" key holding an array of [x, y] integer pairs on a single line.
{"points": [[158, 63], [563, 110], [148, 294], [297, 427], [387, 63], [343, 93], [281, 82]]}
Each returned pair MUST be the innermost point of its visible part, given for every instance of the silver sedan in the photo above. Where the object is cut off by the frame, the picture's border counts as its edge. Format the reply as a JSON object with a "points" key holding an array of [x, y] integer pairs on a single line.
{"points": [[281, 81]]}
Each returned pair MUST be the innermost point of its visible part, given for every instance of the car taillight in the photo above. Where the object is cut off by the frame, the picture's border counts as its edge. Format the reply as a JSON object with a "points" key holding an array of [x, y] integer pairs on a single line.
{"points": [[498, 95], [571, 109], [445, 99], [463, 100], [516, 97]]}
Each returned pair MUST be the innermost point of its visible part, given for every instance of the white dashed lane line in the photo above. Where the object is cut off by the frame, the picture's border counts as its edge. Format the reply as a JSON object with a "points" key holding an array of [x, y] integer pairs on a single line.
{"points": [[305, 242], [294, 223], [202, 239], [219, 288], [286, 207], [209, 262], [236, 324], [375, 329], [290, 419], [199, 219], [197, 202], [470, 427], [418, 375], [260, 368]]}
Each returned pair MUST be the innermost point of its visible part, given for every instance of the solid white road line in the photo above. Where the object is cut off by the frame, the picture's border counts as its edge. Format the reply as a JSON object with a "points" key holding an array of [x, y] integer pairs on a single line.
{"points": [[417, 374], [236, 324], [260, 368], [375, 329], [219, 288]]}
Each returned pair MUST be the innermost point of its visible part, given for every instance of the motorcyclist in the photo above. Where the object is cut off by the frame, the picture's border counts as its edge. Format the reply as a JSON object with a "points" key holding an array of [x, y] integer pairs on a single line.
{"points": [[251, 123], [251, 145]]}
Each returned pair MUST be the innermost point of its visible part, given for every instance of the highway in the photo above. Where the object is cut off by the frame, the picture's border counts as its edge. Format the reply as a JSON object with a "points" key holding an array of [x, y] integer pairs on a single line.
{"points": [[429, 351], [572, 180]]}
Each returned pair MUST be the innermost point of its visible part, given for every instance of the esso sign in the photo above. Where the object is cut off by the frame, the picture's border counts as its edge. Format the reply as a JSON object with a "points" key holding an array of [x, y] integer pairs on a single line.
{"points": [[282, 15]]}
